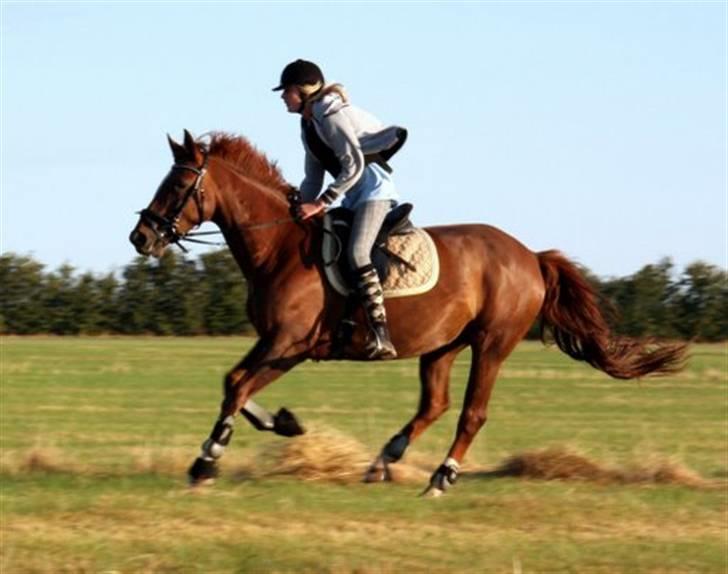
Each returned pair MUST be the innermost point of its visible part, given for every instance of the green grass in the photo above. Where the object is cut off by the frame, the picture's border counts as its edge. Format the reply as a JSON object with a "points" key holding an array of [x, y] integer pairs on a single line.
{"points": [[98, 412]]}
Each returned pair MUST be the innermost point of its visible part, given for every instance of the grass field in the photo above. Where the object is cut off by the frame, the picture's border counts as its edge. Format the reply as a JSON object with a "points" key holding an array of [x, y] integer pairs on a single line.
{"points": [[96, 434]]}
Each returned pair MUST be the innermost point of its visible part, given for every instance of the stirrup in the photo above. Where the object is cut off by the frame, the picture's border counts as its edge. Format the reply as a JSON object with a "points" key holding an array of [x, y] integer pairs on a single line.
{"points": [[379, 345]]}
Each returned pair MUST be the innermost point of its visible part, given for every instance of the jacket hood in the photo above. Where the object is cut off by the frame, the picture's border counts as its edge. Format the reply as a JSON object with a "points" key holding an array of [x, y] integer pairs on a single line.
{"points": [[329, 101]]}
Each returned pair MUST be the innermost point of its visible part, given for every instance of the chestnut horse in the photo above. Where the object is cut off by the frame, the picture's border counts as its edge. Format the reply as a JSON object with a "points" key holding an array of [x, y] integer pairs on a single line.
{"points": [[491, 290]]}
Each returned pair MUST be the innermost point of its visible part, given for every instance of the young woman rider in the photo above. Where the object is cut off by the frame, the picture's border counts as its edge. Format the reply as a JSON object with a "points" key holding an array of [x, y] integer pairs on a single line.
{"points": [[352, 146]]}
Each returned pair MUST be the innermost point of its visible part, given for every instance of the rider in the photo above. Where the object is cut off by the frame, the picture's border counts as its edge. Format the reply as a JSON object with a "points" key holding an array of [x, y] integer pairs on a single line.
{"points": [[353, 146]]}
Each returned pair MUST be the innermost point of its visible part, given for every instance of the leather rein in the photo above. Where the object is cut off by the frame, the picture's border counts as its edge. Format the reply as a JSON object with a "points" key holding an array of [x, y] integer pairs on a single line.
{"points": [[165, 228]]}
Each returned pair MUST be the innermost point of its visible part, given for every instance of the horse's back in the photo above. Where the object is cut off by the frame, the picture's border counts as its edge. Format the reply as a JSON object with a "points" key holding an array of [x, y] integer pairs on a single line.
{"points": [[486, 276], [484, 247]]}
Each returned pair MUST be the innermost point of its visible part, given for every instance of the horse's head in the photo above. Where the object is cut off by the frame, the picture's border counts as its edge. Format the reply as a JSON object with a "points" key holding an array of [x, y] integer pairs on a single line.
{"points": [[179, 203]]}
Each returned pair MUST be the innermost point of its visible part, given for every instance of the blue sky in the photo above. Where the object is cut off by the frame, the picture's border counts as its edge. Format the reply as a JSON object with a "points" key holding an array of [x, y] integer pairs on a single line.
{"points": [[598, 128]]}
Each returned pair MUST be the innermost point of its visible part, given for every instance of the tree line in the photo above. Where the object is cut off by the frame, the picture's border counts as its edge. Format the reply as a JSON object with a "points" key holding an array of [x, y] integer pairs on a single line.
{"points": [[170, 296], [176, 295]]}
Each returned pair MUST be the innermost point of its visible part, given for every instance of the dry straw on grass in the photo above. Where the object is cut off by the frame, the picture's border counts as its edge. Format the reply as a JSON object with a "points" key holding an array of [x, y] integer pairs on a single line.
{"points": [[327, 455], [169, 462], [558, 463], [317, 455], [46, 460]]}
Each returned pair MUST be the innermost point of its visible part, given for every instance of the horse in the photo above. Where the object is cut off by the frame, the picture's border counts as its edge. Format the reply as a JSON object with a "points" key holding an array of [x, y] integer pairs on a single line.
{"points": [[490, 291]]}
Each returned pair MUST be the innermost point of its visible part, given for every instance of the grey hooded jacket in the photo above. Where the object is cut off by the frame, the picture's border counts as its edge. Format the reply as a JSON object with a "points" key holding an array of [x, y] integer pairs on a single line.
{"points": [[351, 133]]}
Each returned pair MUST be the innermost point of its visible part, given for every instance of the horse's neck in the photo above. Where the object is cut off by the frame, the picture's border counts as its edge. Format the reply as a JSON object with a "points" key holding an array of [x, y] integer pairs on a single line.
{"points": [[241, 205]]}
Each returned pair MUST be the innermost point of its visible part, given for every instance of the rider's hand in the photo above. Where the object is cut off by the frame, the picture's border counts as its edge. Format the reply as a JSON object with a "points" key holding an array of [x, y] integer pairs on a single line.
{"points": [[310, 209]]}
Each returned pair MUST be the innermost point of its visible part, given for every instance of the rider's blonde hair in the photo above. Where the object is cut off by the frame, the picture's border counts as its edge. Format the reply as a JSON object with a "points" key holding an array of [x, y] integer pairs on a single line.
{"points": [[309, 89], [312, 93]]}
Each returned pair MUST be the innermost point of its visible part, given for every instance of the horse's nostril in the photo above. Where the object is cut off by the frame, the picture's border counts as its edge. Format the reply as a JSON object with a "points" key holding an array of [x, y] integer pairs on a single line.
{"points": [[137, 238]]}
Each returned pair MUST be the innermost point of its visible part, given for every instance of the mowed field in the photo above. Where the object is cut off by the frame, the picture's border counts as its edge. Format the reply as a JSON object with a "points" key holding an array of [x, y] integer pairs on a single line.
{"points": [[96, 434]]}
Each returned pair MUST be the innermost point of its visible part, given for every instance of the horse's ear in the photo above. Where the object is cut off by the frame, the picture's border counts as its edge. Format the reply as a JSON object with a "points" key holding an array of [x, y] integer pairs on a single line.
{"points": [[178, 151], [193, 150]]}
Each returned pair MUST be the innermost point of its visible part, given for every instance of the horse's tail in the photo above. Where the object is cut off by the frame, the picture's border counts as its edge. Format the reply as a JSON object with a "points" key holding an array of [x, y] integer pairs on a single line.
{"points": [[572, 313]]}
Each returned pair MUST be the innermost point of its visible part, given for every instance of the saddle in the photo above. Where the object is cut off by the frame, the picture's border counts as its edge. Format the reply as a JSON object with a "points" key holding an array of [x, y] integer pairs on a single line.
{"points": [[397, 222], [404, 255]]}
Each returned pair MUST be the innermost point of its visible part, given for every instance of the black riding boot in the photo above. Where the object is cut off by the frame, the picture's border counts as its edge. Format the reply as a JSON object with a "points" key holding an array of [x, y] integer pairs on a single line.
{"points": [[379, 345]]}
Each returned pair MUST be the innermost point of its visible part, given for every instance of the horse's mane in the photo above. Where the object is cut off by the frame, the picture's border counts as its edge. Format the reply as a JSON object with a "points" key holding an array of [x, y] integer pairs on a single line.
{"points": [[244, 156]]}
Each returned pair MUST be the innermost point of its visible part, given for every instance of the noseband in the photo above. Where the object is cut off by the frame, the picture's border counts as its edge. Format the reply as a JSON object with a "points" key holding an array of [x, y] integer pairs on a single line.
{"points": [[165, 228]]}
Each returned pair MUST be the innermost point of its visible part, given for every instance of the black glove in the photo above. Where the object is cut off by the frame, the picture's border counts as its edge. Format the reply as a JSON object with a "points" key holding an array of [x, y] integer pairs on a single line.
{"points": [[294, 201]]}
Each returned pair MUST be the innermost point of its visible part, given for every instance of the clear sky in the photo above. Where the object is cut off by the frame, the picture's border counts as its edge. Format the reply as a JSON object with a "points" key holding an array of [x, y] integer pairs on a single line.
{"points": [[598, 128]]}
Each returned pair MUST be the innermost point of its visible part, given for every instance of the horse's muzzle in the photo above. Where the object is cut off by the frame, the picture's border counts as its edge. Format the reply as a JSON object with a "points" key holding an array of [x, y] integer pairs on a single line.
{"points": [[145, 242], [138, 240]]}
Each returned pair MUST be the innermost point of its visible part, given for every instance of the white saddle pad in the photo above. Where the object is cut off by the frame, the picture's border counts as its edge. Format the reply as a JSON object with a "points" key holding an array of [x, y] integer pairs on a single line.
{"points": [[417, 248]]}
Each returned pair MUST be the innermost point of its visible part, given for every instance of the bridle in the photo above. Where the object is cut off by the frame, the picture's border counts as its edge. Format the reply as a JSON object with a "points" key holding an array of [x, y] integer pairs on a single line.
{"points": [[165, 228]]}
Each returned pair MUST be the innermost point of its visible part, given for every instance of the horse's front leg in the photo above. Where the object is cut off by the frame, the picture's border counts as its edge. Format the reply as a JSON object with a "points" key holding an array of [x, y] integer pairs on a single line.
{"points": [[282, 423], [265, 362]]}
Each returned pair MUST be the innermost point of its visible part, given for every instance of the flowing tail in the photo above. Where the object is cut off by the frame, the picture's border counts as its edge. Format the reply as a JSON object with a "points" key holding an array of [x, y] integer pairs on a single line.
{"points": [[571, 312]]}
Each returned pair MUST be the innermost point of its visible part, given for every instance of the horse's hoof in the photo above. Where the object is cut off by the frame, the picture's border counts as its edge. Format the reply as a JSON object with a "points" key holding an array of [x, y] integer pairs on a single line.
{"points": [[378, 472], [432, 492], [377, 475], [444, 478], [196, 484], [202, 472], [286, 424], [373, 475]]}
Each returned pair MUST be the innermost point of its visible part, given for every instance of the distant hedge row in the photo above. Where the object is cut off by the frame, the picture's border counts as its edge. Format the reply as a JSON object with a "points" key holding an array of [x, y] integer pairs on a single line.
{"points": [[179, 296], [170, 296]]}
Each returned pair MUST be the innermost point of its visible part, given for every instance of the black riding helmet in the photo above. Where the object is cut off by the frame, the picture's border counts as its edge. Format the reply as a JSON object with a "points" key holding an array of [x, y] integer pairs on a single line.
{"points": [[300, 73]]}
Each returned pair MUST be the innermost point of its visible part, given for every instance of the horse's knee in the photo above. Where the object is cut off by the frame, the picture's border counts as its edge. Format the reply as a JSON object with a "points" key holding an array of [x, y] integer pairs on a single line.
{"points": [[436, 410], [473, 421]]}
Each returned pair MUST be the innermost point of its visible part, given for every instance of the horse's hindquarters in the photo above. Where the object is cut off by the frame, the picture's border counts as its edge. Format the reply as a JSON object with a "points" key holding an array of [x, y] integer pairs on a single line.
{"points": [[488, 281]]}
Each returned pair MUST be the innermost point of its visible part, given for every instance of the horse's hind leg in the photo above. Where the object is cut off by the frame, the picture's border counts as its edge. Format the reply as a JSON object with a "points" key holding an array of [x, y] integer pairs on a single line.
{"points": [[434, 401], [488, 356]]}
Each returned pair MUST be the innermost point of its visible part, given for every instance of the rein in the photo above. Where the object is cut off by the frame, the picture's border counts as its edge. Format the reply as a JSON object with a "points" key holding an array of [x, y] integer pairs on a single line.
{"points": [[190, 236], [166, 227]]}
